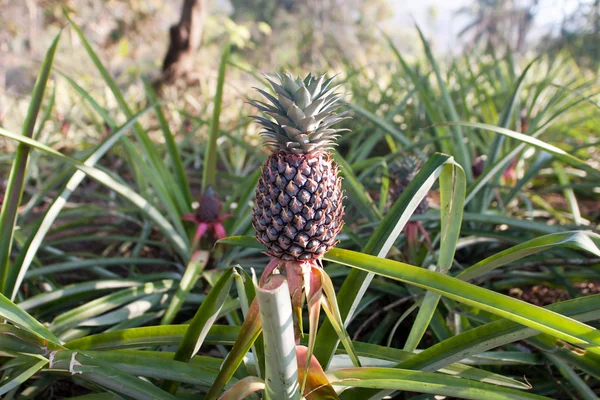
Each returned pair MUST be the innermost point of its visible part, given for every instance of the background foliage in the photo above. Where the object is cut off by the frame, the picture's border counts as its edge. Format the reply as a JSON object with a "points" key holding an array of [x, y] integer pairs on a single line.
{"points": [[103, 283]]}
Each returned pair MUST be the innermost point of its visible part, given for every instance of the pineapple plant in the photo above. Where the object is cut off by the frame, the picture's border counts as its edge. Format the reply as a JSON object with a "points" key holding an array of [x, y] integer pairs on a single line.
{"points": [[208, 216], [299, 208], [298, 205]]}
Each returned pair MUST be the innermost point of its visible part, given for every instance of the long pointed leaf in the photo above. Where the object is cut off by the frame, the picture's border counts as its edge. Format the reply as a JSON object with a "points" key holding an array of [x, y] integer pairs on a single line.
{"points": [[16, 178]]}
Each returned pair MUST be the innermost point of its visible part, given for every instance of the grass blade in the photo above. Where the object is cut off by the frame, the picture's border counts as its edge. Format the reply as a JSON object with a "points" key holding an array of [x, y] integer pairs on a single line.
{"points": [[16, 178], [14, 314], [30, 248], [143, 205], [423, 382], [453, 186], [190, 277], [199, 326], [380, 243], [578, 240], [555, 151], [210, 156], [172, 150]]}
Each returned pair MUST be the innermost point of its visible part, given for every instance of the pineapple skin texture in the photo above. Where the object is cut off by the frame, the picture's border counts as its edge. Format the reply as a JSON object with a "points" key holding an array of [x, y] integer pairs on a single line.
{"points": [[298, 206]]}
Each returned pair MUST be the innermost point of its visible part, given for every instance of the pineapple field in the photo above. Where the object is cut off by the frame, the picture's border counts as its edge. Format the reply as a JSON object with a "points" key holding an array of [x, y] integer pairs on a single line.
{"points": [[275, 219]]}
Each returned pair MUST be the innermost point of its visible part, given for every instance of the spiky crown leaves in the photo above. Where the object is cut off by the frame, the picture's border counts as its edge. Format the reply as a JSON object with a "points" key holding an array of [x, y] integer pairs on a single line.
{"points": [[303, 113]]}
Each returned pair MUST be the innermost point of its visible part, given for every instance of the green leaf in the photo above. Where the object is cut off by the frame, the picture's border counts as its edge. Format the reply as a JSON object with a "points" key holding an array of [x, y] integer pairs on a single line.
{"points": [[103, 374], [423, 382], [574, 356], [99, 306], [190, 277], [171, 196], [143, 205], [199, 326], [453, 186], [386, 126], [151, 336], [30, 369], [463, 157], [16, 178], [504, 121], [512, 309], [578, 384], [246, 293], [555, 151], [456, 369], [69, 290], [249, 332], [568, 192], [17, 340], [172, 150], [330, 306], [425, 97], [506, 116], [380, 243], [30, 248], [146, 363], [17, 316], [485, 337], [575, 240], [356, 190], [210, 156]]}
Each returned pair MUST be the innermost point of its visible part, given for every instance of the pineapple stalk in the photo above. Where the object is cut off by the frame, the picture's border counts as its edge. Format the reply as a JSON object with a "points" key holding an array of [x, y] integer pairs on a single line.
{"points": [[281, 375]]}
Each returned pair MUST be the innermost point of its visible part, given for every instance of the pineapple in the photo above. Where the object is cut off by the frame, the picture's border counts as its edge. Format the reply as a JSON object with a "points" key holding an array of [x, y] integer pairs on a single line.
{"points": [[208, 216], [298, 210], [402, 173]]}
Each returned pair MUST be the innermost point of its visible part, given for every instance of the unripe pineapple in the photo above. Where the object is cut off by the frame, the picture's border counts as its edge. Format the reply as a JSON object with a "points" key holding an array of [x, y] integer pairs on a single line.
{"points": [[402, 173], [299, 210]]}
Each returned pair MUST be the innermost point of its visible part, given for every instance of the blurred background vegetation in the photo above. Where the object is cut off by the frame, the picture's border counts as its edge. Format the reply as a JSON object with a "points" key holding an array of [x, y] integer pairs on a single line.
{"points": [[132, 37]]}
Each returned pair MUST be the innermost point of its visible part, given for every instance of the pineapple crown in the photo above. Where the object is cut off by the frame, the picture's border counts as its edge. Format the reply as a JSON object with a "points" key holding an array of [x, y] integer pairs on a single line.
{"points": [[303, 113]]}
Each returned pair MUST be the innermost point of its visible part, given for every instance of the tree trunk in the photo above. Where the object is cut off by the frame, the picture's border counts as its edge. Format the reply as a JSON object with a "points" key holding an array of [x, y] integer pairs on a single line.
{"points": [[185, 39]]}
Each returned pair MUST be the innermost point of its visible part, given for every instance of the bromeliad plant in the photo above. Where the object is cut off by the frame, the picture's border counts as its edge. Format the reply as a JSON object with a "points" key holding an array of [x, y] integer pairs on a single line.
{"points": [[299, 196], [298, 206]]}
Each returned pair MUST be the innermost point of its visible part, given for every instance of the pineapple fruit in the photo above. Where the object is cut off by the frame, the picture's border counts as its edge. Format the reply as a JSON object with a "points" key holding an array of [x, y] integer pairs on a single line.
{"points": [[298, 208], [402, 172]]}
